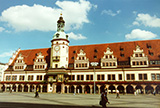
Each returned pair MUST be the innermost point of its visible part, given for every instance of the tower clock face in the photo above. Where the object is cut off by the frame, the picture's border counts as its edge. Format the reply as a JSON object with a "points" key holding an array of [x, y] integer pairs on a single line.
{"points": [[57, 48]]}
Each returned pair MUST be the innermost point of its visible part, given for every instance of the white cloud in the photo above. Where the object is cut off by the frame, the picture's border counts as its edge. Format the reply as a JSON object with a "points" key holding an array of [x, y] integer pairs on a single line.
{"points": [[42, 18], [147, 20], [140, 34], [1, 29], [110, 12], [76, 36], [7, 54]]}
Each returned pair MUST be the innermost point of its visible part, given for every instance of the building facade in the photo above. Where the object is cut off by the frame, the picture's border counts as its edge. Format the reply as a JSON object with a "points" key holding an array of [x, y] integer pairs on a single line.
{"points": [[3, 67], [123, 66]]}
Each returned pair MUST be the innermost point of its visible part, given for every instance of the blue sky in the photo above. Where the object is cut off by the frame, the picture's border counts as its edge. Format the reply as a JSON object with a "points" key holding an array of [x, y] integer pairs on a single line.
{"points": [[31, 24]]}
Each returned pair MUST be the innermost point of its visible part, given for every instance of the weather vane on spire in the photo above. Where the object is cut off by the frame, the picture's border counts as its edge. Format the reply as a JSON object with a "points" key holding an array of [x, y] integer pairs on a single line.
{"points": [[61, 13]]}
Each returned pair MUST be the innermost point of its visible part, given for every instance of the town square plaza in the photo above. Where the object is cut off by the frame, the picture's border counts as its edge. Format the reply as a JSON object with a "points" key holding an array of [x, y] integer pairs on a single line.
{"points": [[50, 100]]}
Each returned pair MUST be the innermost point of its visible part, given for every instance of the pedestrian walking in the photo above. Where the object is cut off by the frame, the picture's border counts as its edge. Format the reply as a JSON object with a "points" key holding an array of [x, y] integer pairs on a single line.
{"points": [[104, 99], [117, 94], [36, 93], [154, 92]]}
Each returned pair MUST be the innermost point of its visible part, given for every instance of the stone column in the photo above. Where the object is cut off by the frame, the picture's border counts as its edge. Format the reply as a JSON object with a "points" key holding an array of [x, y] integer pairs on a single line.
{"points": [[67, 88], [134, 87], [83, 88], [34, 88], [22, 87], [125, 86], [11, 86], [98, 88], [5, 87], [0, 86], [54, 86], [106, 87], [91, 86], [16, 87], [62, 88], [41, 88], [28, 87], [154, 87], [144, 91], [75, 88], [116, 87]]}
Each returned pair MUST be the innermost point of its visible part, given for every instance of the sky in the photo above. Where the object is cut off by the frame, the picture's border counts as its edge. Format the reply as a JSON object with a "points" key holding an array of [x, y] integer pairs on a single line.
{"points": [[31, 24]]}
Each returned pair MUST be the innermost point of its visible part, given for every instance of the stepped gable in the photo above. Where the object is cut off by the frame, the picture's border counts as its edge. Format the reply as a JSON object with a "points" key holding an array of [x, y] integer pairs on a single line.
{"points": [[30, 55], [128, 48]]}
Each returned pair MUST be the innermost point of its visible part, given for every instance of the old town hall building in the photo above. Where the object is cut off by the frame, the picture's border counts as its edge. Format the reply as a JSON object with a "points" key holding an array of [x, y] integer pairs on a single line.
{"points": [[123, 66]]}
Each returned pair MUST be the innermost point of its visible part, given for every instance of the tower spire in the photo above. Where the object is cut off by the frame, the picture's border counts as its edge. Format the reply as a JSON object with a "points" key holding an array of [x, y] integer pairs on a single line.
{"points": [[60, 24]]}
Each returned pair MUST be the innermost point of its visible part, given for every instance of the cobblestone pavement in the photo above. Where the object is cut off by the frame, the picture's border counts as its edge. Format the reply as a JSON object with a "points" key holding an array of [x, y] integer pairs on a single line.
{"points": [[49, 100]]}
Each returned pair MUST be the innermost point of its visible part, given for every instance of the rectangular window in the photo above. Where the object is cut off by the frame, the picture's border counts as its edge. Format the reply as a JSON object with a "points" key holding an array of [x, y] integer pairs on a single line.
{"points": [[87, 77], [14, 77], [91, 77], [21, 77], [78, 77], [140, 76], [98, 77], [82, 77], [39, 77], [102, 77], [158, 76], [8, 78], [119, 76], [153, 76], [109, 77], [132, 77], [145, 76], [128, 77], [113, 77]]}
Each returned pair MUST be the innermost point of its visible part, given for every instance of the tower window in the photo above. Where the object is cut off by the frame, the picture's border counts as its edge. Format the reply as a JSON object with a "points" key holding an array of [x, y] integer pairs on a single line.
{"points": [[56, 65], [72, 57], [57, 35]]}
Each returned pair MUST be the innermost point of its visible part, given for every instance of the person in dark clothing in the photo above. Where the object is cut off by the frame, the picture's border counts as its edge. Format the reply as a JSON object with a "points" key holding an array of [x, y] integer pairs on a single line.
{"points": [[36, 93], [104, 99]]}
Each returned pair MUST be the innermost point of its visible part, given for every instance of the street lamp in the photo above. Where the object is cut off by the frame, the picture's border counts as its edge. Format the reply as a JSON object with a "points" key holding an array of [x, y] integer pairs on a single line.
{"points": [[94, 64]]}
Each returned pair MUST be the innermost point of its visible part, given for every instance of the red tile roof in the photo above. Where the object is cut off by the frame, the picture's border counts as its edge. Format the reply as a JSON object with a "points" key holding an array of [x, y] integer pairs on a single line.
{"points": [[30, 55], [128, 47], [115, 47]]}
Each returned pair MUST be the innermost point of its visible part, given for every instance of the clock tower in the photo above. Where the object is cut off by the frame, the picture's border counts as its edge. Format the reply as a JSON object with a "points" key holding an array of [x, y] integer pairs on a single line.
{"points": [[59, 47]]}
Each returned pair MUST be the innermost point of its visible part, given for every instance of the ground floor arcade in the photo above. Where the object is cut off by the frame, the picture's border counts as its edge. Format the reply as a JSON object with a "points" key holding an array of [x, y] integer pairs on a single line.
{"points": [[81, 88]]}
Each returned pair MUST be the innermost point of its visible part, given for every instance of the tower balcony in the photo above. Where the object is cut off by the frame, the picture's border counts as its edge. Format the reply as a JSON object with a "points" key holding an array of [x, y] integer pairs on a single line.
{"points": [[56, 58]]}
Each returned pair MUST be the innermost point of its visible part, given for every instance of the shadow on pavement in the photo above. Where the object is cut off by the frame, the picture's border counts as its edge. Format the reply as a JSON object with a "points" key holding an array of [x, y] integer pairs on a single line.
{"points": [[30, 105]]}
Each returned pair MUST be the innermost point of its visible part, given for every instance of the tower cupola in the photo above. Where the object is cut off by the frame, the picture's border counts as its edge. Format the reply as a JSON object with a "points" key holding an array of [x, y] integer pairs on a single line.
{"points": [[60, 34]]}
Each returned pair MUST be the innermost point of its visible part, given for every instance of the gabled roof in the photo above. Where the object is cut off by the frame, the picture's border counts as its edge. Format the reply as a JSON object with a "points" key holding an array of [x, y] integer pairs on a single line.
{"points": [[128, 47], [30, 55]]}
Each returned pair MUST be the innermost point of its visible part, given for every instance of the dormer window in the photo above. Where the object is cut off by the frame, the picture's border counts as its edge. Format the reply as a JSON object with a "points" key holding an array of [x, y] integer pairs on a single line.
{"points": [[121, 49], [149, 46], [138, 59], [19, 64], [81, 62], [95, 51], [57, 35], [40, 63], [108, 60]]}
